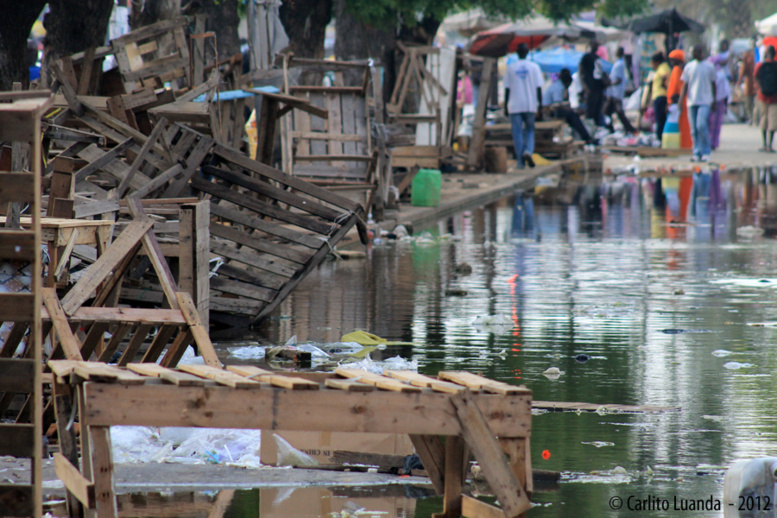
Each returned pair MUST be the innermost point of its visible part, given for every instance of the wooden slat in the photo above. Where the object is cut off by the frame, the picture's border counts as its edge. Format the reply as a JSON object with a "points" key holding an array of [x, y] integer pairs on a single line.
{"points": [[17, 307], [272, 378], [17, 245], [67, 340], [134, 344], [376, 380], [488, 453], [163, 336], [220, 376], [182, 379], [473, 381], [16, 500], [348, 385], [474, 508], [102, 465], [244, 289], [249, 220], [333, 158], [94, 337], [199, 333], [113, 344], [258, 243], [17, 375], [74, 481], [62, 369], [101, 372], [315, 135], [431, 451], [176, 350], [419, 380], [17, 440], [251, 259]]}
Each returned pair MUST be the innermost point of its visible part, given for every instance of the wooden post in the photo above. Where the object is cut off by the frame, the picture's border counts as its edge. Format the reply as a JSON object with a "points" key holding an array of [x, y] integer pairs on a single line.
{"points": [[102, 471], [68, 446], [194, 256], [454, 459], [477, 143]]}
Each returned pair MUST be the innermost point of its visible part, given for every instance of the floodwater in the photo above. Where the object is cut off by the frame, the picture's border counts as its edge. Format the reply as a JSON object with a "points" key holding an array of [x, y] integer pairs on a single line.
{"points": [[668, 291]]}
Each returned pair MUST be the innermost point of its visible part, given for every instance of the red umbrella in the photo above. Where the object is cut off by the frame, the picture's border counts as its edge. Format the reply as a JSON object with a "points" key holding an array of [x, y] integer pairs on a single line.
{"points": [[505, 39]]}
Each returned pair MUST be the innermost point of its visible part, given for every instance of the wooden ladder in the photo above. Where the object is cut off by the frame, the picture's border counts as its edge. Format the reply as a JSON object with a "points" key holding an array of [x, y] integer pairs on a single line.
{"points": [[20, 114]]}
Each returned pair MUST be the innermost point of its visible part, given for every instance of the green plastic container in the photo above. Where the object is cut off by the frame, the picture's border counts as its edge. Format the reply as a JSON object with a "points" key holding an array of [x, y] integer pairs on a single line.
{"points": [[425, 189]]}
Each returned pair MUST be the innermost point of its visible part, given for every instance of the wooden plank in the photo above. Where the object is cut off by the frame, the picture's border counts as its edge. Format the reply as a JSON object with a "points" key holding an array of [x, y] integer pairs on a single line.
{"points": [[263, 208], [454, 476], [66, 435], [113, 344], [64, 335], [486, 449], [348, 385], [164, 334], [74, 481], [265, 376], [16, 500], [569, 406], [102, 372], [293, 101], [17, 245], [220, 376], [105, 264], [62, 369], [474, 508], [17, 375], [376, 380], [102, 466], [16, 187], [333, 158], [419, 380], [17, 440], [431, 451], [176, 350], [348, 124], [251, 259], [315, 135], [473, 381], [182, 379], [161, 125], [128, 315], [134, 344], [199, 332], [13, 339], [519, 455], [243, 289], [259, 244], [158, 181], [327, 89], [17, 307], [97, 158], [306, 204], [249, 220], [423, 413], [94, 338]]}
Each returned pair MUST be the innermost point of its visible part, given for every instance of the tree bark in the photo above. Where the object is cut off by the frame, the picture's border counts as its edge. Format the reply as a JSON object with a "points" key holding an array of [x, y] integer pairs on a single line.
{"points": [[223, 21], [356, 40], [146, 12], [305, 22], [73, 26], [15, 26]]}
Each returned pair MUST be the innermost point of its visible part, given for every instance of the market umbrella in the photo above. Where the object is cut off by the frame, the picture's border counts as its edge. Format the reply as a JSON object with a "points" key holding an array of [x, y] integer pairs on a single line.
{"points": [[468, 23], [669, 22], [504, 39]]}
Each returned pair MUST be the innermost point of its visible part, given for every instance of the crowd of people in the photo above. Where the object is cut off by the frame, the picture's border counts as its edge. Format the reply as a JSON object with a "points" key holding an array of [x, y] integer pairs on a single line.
{"points": [[685, 93]]}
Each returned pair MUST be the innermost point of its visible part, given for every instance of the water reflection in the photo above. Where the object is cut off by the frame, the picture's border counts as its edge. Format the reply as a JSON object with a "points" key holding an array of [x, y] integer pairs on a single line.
{"points": [[624, 270]]}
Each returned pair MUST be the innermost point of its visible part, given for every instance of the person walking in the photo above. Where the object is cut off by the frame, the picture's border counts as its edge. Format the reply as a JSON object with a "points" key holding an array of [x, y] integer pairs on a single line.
{"points": [[673, 91], [719, 107], [615, 93], [555, 98], [766, 88], [523, 99], [594, 81], [657, 91], [746, 80], [698, 93]]}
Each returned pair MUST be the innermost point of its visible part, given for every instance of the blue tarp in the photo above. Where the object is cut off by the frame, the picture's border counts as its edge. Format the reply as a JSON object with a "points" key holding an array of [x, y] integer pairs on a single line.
{"points": [[231, 95], [552, 61]]}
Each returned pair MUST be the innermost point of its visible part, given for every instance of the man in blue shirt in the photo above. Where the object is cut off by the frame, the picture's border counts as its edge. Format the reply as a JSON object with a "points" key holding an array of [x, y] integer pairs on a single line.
{"points": [[615, 93], [556, 98]]}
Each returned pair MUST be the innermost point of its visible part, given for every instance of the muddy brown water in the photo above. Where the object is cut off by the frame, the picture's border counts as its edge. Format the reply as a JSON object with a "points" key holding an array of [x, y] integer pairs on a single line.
{"points": [[640, 294]]}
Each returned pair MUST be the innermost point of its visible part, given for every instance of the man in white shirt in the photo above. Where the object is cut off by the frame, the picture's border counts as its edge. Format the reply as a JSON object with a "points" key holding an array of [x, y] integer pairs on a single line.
{"points": [[699, 89], [523, 98]]}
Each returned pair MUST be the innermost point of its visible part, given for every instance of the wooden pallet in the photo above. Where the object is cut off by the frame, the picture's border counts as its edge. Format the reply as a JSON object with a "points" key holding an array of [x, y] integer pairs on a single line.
{"points": [[20, 115], [469, 410]]}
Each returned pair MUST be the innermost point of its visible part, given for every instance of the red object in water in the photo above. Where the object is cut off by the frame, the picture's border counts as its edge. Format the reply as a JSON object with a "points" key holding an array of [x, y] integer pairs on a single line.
{"points": [[546, 454]]}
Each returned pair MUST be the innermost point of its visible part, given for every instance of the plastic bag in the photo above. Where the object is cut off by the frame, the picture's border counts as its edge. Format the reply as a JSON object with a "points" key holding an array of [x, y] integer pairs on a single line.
{"points": [[288, 455]]}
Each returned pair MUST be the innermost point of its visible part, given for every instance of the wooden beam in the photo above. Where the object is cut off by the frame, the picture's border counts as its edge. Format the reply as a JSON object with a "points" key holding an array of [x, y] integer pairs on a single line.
{"points": [[102, 466], [431, 451], [74, 481], [64, 335], [474, 508], [454, 479]]}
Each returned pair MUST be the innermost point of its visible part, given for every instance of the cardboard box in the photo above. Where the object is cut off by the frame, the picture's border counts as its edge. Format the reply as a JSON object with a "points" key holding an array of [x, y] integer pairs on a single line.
{"points": [[322, 445]]}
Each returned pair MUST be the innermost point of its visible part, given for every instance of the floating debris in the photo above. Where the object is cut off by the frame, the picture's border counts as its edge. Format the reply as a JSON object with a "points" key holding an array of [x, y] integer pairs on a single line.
{"points": [[736, 365], [553, 373], [599, 444], [721, 353]]}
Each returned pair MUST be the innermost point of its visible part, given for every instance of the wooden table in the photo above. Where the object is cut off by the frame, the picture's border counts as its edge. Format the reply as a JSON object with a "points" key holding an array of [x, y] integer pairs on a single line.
{"points": [[469, 410]]}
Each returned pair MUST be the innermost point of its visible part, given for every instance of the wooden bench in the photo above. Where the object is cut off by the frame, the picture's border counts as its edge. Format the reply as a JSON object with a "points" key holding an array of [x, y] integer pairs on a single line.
{"points": [[468, 410]]}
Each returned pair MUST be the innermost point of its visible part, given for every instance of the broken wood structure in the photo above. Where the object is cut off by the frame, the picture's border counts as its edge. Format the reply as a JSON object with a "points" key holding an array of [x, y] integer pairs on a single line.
{"points": [[20, 115], [487, 419]]}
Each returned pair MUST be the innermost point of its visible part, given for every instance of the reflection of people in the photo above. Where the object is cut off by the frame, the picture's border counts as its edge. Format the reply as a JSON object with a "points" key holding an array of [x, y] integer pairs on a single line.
{"points": [[657, 88], [556, 99], [523, 97], [594, 81], [677, 60], [699, 92], [766, 86], [615, 93]]}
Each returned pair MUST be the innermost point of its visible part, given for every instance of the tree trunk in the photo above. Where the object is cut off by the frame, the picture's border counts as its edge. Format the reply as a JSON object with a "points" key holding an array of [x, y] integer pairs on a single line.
{"points": [[146, 12], [223, 20], [73, 26], [305, 22], [356, 40], [15, 26]]}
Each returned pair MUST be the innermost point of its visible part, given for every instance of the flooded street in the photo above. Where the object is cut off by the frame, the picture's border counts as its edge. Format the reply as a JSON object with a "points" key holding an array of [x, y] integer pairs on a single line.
{"points": [[638, 298]]}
